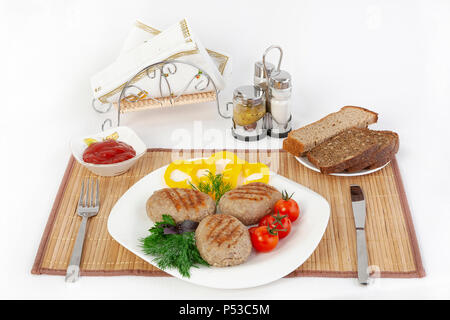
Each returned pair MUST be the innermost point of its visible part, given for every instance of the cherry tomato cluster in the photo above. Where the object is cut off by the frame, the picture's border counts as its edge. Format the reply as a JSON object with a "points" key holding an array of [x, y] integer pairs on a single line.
{"points": [[276, 225]]}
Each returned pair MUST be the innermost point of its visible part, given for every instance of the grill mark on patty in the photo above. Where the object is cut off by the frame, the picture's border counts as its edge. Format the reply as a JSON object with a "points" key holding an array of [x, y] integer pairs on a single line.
{"points": [[218, 231], [186, 199], [252, 190], [259, 186], [200, 200], [224, 235], [241, 194], [212, 224], [192, 200], [181, 199], [168, 194], [236, 239], [261, 189], [246, 197], [261, 194]]}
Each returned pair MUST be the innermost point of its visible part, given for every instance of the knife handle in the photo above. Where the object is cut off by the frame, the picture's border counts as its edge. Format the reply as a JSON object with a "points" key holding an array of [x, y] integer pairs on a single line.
{"points": [[363, 261]]}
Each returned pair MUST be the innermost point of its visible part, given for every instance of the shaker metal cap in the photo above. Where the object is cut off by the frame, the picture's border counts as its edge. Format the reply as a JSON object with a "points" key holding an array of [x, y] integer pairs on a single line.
{"points": [[259, 69], [280, 80], [249, 95]]}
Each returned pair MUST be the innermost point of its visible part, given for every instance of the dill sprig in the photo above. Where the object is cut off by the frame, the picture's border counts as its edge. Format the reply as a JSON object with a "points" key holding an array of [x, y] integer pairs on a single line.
{"points": [[215, 186], [172, 250]]}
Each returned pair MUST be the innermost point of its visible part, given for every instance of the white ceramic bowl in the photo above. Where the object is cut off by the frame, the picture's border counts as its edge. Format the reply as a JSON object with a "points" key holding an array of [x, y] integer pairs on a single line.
{"points": [[78, 145]]}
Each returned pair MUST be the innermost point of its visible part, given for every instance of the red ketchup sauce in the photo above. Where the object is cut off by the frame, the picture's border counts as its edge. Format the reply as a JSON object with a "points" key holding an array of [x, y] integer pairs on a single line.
{"points": [[108, 151]]}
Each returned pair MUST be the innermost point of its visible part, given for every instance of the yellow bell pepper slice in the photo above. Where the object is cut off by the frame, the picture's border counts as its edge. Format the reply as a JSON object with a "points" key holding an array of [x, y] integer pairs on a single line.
{"points": [[89, 141], [256, 168], [112, 136], [182, 165], [203, 164], [231, 173]]}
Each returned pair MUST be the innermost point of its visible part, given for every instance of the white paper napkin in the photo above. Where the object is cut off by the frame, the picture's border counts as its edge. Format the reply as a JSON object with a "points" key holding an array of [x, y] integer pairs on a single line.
{"points": [[146, 45]]}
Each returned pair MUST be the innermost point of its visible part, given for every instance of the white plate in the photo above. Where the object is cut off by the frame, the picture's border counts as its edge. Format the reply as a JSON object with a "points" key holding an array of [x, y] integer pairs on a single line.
{"points": [[304, 161], [128, 222]]}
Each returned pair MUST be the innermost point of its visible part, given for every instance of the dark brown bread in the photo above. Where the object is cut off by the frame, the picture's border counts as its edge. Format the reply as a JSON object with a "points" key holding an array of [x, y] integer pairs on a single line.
{"points": [[387, 147], [306, 138], [345, 150], [388, 157]]}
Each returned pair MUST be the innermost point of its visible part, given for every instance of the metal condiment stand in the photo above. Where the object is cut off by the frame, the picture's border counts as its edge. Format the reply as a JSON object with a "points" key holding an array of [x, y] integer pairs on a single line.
{"points": [[279, 81], [134, 98], [275, 121]]}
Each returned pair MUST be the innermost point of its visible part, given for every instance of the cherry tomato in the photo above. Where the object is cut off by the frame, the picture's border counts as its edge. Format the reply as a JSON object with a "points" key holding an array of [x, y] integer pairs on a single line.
{"points": [[281, 223], [263, 240], [287, 206]]}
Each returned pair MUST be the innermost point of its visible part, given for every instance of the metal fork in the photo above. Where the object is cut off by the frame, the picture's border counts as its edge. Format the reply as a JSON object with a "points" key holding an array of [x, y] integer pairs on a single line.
{"points": [[88, 206]]}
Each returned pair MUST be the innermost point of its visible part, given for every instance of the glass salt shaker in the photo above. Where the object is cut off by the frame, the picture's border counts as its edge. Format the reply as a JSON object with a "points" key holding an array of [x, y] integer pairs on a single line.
{"points": [[280, 88]]}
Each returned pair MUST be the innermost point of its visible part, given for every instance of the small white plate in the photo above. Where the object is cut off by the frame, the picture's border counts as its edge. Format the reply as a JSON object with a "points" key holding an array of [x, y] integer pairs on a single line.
{"points": [[126, 135], [128, 222], [304, 161]]}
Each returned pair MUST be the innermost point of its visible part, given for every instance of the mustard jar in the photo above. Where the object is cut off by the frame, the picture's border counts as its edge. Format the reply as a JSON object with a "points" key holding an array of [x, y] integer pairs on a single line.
{"points": [[249, 108]]}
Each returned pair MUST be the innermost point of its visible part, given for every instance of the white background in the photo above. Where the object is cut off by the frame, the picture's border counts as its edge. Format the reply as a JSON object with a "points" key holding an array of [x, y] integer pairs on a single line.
{"points": [[389, 56]]}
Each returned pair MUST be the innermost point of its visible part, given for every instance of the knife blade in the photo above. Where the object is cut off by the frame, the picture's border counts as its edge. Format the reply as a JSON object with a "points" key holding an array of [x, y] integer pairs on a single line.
{"points": [[359, 214]]}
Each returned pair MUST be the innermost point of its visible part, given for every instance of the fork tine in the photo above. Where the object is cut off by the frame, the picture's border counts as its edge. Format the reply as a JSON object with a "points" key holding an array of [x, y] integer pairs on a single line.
{"points": [[86, 202], [92, 193], [80, 202], [97, 196]]}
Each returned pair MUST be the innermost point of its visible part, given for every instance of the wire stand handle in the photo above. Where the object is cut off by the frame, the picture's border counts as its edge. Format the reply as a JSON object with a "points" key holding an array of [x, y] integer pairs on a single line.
{"points": [[200, 81]]}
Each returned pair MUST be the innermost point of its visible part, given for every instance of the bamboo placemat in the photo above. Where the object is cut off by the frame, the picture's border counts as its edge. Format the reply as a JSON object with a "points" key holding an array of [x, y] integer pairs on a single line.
{"points": [[391, 241]]}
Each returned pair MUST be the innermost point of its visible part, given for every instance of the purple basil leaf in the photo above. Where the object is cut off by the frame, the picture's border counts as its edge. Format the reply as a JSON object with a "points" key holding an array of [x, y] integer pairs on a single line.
{"points": [[171, 229], [187, 226]]}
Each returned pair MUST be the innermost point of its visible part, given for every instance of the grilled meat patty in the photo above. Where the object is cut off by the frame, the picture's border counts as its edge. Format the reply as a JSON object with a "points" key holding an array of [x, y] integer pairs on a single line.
{"points": [[249, 202], [223, 240], [181, 204]]}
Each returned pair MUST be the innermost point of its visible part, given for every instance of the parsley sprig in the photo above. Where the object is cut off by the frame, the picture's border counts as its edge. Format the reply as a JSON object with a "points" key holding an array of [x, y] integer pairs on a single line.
{"points": [[214, 186]]}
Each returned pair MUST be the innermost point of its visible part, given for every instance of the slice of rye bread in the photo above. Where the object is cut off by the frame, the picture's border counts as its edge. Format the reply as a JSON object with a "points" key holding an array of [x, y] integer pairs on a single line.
{"points": [[345, 150], [388, 147], [302, 140], [380, 158], [387, 158]]}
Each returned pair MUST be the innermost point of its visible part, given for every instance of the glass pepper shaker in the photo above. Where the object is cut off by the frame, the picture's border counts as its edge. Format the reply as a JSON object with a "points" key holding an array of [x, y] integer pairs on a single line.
{"points": [[260, 78]]}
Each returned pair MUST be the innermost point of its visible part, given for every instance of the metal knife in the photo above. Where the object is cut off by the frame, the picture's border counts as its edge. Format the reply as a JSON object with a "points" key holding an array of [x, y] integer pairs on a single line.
{"points": [[359, 213]]}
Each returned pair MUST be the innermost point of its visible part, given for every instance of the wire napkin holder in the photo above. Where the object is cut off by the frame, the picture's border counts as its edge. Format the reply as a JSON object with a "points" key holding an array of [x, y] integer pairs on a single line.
{"points": [[134, 97]]}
